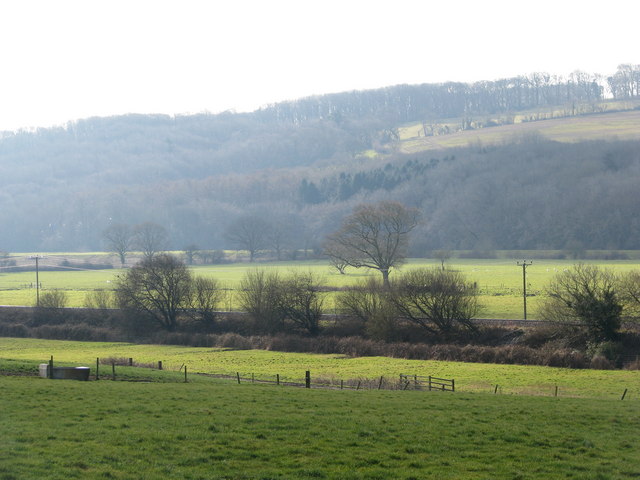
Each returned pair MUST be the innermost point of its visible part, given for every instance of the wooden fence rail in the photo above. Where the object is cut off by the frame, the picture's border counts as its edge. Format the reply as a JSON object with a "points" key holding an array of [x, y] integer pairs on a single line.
{"points": [[421, 382]]}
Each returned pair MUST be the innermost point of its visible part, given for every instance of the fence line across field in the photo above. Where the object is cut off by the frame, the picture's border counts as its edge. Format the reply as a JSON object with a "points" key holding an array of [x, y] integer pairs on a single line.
{"points": [[381, 383], [405, 382]]}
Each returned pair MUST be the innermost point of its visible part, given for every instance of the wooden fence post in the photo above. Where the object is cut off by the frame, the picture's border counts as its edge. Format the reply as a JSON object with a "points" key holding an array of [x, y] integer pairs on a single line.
{"points": [[113, 370], [185, 374], [429, 382], [98, 368], [160, 365], [495, 390], [453, 385], [624, 394], [238, 375], [277, 379], [380, 383], [341, 384], [556, 394], [130, 362], [51, 367], [307, 379]]}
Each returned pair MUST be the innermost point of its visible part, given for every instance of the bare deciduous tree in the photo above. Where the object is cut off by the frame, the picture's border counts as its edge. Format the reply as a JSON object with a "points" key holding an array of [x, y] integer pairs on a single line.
{"points": [[150, 238], [300, 300], [205, 297], [258, 295], [443, 256], [375, 236], [119, 240], [159, 286], [190, 252], [249, 233], [338, 255]]}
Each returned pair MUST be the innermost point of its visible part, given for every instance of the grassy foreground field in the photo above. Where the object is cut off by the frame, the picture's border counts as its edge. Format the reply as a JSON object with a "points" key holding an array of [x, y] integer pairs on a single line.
{"points": [[220, 430], [499, 281], [469, 377]]}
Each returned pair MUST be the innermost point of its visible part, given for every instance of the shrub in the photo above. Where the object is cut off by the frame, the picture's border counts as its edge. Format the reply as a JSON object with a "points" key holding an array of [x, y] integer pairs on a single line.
{"points": [[585, 294], [50, 308], [369, 302], [599, 362], [258, 296], [17, 330], [99, 300], [233, 341], [437, 300], [634, 365]]}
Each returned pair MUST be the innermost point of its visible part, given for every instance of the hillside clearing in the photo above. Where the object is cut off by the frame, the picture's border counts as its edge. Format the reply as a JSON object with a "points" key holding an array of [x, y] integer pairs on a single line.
{"points": [[616, 125]]}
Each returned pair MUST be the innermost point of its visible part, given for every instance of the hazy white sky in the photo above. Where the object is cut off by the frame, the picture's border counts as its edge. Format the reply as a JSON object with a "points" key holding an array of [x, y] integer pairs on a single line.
{"points": [[68, 59]]}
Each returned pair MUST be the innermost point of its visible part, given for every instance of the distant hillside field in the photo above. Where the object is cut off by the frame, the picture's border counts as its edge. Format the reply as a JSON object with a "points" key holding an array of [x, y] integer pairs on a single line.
{"points": [[597, 126]]}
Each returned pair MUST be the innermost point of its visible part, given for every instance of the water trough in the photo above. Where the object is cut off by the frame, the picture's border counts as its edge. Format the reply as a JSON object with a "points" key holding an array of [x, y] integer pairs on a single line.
{"points": [[64, 373]]}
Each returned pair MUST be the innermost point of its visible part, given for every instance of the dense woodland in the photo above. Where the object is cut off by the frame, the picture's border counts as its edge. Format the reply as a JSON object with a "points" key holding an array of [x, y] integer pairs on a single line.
{"points": [[301, 165]]}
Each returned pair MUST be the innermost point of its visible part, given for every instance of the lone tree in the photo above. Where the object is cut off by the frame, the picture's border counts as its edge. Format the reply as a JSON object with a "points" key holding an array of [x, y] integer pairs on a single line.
{"points": [[586, 294], [437, 300], [119, 240], [443, 256], [150, 238], [374, 236], [250, 233]]}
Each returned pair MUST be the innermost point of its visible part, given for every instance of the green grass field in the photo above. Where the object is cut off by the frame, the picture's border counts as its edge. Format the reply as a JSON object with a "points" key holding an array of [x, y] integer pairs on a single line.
{"points": [[469, 377], [499, 281], [216, 429]]}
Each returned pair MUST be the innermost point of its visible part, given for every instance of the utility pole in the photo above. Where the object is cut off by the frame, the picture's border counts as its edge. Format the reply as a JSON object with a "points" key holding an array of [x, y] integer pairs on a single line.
{"points": [[37, 257], [524, 266]]}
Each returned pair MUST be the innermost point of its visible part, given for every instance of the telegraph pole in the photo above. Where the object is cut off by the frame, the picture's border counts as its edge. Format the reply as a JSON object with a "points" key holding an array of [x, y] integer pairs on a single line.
{"points": [[37, 257], [524, 266]]}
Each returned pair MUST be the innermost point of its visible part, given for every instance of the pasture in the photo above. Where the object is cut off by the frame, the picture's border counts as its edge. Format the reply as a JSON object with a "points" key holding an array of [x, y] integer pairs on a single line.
{"points": [[216, 429], [499, 281], [619, 125], [469, 377]]}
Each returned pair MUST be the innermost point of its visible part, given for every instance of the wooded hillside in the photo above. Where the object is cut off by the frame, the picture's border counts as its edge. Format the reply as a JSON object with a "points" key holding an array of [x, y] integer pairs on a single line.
{"points": [[303, 165]]}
